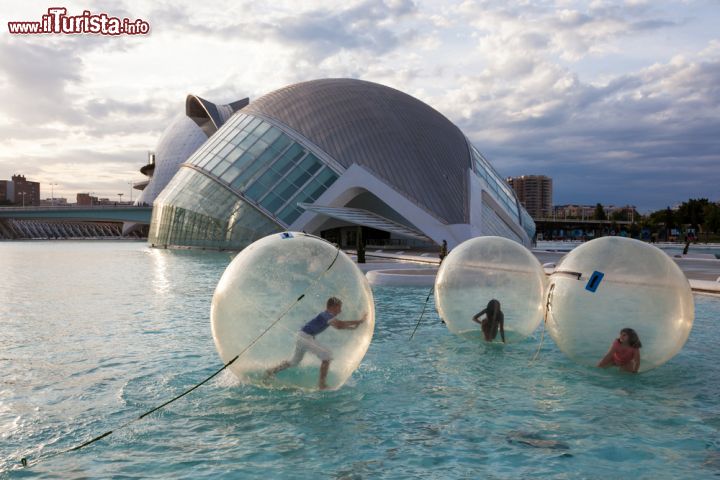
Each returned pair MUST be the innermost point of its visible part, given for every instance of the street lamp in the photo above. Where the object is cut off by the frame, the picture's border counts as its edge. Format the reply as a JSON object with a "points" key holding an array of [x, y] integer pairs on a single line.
{"points": [[52, 193], [23, 198], [120, 197]]}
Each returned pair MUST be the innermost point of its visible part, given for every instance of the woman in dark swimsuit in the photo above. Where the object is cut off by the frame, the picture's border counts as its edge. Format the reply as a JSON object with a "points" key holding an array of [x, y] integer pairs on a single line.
{"points": [[494, 320]]}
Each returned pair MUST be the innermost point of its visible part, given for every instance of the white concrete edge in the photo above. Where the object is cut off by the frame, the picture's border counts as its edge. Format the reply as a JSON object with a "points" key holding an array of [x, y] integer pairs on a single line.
{"points": [[394, 277], [705, 286]]}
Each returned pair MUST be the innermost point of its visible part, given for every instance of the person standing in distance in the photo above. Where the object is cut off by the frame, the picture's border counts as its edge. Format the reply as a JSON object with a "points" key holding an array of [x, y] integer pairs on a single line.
{"points": [[443, 251]]}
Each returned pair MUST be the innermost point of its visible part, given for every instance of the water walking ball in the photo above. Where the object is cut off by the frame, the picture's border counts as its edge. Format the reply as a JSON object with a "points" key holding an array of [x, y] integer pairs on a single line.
{"points": [[270, 291], [612, 283], [483, 269]]}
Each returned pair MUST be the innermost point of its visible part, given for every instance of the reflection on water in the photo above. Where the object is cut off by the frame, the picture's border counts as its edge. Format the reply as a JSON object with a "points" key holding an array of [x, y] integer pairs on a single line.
{"points": [[161, 282]]}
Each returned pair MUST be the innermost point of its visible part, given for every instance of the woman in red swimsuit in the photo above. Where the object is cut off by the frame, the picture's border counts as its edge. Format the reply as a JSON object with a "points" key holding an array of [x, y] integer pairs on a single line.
{"points": [[624, 352]]}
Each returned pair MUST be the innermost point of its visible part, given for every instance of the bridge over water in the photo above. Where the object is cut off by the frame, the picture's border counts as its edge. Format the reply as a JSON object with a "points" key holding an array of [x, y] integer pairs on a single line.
{"points": [[72, 221], [575, 227]]}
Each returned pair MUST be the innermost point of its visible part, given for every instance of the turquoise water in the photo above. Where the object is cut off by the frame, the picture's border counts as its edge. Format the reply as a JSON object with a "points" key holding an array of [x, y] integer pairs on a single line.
{"points": [[95, 333]]}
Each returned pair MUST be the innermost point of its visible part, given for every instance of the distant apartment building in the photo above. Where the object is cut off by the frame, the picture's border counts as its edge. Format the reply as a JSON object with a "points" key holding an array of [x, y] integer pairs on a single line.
{"points": [[535, 194], [7, 190], [582, 212], [85, 199], [587, 212], [624, 212], [20, 191], [57, 201]]}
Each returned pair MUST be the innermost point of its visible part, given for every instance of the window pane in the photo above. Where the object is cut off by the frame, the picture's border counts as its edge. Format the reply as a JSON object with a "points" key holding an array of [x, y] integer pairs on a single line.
{"points": [[261, 129], [311, 163], [256, 149], [253, 168], [211, 164], [253, 123], [244, 121], [256, 191], [285, 189], [301, 197], [230, 174], [226, 149], [233, 155], [281, 143], [326, 177], [294, 153], [289, 214], [298, 177], [271, 135], [315, 190], [220, 168], [269, 178], [218, 147], [239, 137], [285, 162], [204, 159], [272, 202]]}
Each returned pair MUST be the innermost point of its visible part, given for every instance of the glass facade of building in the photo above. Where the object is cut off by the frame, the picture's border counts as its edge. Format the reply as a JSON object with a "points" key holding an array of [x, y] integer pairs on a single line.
{"points": [[256, 175], [501, 191]]}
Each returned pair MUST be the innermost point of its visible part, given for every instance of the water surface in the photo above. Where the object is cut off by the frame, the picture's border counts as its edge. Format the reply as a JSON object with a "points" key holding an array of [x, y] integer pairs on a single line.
{"points": [[95, 333]]}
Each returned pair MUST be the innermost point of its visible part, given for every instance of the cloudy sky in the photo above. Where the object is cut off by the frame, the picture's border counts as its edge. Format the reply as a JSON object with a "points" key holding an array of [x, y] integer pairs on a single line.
{"points": [[619, 102]]}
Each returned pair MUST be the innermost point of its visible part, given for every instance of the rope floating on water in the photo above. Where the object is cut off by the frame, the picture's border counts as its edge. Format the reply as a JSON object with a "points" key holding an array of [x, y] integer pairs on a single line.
{"points": [[25, 462], [423, 311], [548, 308]]}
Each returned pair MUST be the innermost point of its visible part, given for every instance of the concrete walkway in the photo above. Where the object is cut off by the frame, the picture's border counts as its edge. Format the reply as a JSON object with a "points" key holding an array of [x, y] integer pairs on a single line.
{"points": [[415, 269]]}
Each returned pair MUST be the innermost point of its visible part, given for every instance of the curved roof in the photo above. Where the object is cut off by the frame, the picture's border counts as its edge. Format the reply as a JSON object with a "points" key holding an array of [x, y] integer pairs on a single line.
{"points": [[405, 142]]}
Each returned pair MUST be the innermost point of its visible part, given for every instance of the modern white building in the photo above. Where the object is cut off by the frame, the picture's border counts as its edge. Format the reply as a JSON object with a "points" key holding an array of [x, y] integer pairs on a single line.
{"points": [[328, 156], [187, 131]]}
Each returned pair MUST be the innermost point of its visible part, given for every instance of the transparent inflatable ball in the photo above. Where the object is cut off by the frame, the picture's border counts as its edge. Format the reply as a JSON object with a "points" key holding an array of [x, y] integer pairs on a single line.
{"points": [[487, 285], [284, 341], [615, 283]]}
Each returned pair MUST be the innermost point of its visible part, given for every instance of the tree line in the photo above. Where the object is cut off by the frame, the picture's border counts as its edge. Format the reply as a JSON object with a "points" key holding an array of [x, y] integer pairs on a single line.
{"points": [[697, 218]]}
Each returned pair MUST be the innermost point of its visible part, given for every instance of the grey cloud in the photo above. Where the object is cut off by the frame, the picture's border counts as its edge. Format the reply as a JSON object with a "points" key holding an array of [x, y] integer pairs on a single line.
{"points": [[652, 24], [99, 109], [643, 138], [318, 33], [17, 131], [534, 41], [37, 81], [36, 67], [172, 15], [115, 8], [574, 21], [118, 118], [571, 31], [43, 85], [126, 127]]}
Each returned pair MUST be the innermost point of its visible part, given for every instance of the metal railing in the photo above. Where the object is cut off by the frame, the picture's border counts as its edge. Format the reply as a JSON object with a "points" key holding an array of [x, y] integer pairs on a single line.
{"points": [[37, 208]]}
